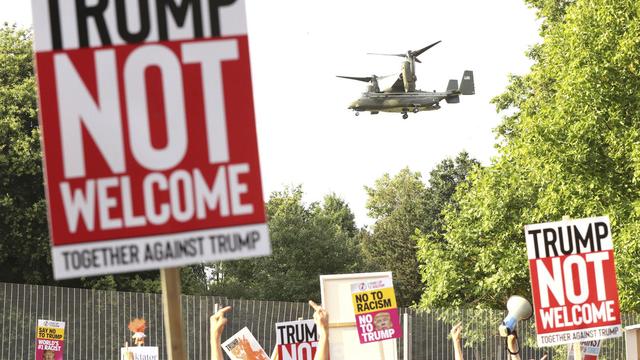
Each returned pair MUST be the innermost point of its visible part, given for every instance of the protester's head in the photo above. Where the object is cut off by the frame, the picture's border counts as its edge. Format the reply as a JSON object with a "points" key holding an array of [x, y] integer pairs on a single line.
{"points": [[382, 321], [48, 355]]}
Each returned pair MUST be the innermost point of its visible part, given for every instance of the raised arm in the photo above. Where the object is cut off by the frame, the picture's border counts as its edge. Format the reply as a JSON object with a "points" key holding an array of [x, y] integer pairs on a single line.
{"points": [[217, 322], [456, 337], [321, 318], [513, 347]]}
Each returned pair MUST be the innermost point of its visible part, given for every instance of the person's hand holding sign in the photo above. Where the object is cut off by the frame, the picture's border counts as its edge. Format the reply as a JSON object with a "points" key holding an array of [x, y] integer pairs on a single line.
{"points": [[218, 322], [321, 318]]}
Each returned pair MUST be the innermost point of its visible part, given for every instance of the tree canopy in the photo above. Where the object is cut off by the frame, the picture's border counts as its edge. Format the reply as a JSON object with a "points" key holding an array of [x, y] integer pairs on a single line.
{"points": [[23, 220], [306, 240], [570, 147], [402, 205]]}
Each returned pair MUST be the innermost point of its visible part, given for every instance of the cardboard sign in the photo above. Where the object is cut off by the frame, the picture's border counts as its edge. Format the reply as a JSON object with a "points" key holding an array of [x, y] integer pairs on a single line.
{"points": [[337, 299], [590, 350], [139, 353], [374, 303], [50, 340], [297, 340], [573, 281], [244, 346], [148, 131]]}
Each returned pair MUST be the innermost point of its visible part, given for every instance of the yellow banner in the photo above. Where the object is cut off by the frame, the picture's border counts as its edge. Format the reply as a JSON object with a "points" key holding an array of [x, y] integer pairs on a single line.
{"points": [[50, 333], [374, 300]]}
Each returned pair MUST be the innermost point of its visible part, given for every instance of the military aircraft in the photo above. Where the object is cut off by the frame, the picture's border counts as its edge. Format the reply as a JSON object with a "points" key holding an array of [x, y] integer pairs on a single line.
{"points": [[402, 96]]}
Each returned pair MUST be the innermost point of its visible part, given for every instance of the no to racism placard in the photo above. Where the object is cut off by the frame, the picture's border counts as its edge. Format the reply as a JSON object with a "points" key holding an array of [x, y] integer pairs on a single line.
{"points": [[148, 132], [573, 281], [50, 340], [297, 340], [374, 303]]}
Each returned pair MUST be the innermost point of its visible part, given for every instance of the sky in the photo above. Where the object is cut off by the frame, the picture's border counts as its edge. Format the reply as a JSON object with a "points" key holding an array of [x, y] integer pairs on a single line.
{"points": [[306, 134]]}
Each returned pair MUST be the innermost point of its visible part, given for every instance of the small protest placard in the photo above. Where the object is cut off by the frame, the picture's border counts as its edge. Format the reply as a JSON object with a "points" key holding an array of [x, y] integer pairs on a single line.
{"points": [[139, 353], [50, 340], [244, 346], [573, 281], [374, 303], [590, 350], [297, 340]]}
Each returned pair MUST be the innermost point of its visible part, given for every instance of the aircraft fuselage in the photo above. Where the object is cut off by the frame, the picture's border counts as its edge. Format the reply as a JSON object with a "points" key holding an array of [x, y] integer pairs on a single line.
{"points": [[399, 101]]}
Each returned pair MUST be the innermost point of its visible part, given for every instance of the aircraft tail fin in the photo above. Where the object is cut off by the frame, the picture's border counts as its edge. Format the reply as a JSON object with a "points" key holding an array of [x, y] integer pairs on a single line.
{"points": [[452, 92], [453, 85], [467, 86]]}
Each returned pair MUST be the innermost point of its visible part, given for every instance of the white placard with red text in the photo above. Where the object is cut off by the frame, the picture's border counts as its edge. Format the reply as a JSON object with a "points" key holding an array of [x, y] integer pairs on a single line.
{"points": [[297, 340], [149, 138], [573, 281]]}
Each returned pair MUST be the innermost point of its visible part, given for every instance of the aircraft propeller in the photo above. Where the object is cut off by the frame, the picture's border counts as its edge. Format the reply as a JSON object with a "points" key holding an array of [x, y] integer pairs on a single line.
{"points": [[412, 54], [365, 78]]}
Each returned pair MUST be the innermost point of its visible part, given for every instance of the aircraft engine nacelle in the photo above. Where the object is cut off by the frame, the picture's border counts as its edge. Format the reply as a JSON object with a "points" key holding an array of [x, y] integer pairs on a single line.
{"points": [[408, 77]]}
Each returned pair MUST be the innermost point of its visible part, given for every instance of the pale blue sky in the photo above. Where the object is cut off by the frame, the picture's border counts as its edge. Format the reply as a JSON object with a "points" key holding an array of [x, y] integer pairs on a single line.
{"points": [[306, 133]]}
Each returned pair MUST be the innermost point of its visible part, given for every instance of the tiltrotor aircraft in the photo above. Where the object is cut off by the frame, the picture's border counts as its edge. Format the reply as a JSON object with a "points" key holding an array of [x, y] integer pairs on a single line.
{"points": [[403, 96]]}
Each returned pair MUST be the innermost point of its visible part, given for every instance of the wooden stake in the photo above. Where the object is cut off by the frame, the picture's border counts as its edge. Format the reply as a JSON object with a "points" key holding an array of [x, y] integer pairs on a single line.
{"points": [[171, 291], [577, 351]]}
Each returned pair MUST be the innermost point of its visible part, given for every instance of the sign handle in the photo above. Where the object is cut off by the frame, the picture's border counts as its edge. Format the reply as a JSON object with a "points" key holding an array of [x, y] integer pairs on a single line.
{"points": [[172, 311], [577, 351]]}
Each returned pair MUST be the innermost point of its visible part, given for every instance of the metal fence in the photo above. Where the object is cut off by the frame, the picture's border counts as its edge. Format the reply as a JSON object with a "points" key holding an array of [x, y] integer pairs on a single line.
{"points": [[96, 324]]}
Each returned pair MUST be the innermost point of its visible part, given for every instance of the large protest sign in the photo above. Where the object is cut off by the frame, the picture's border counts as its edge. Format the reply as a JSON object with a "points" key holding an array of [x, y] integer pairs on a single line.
{"points": [[376, 310], [297, 340], [573, 281], [50, 340], [149, 139], [244, 346], [344, 337]]}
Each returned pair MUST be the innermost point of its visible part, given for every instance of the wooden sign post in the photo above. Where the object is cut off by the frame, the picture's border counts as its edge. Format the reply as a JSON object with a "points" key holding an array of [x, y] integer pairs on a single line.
{"points": [[172, 311]]}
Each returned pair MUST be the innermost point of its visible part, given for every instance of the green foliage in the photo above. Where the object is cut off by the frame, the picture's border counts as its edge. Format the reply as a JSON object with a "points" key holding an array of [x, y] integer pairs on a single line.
{"points": [[403, 206], [306, 240], [570, 147], [443, 182], [398, 206], [23, 220]]}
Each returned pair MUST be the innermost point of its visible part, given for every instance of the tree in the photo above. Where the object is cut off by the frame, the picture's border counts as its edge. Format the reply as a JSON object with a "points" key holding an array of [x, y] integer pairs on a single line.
{"points": [[24, 241], [398, 206], [404, 206], [570, 147], [443, 182], [306, 240]]}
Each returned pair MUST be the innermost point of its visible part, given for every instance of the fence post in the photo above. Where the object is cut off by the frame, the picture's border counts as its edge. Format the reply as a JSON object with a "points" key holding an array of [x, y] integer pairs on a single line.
{"points": [[406, 337]]}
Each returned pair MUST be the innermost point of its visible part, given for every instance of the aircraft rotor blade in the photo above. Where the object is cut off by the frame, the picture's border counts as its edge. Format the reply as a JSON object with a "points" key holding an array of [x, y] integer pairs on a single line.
{"points": [[400, 55], [419, 52], [364, 78], [386, 76]]}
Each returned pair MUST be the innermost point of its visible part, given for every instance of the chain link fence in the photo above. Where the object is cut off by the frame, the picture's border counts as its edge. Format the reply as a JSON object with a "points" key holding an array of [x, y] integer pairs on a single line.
{"points": [[96, 324]]}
